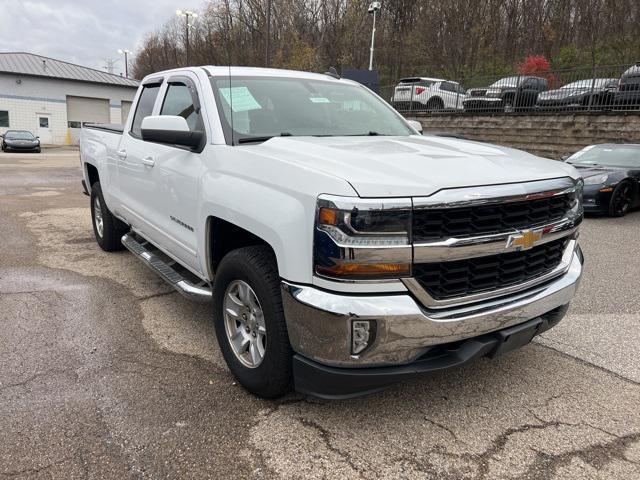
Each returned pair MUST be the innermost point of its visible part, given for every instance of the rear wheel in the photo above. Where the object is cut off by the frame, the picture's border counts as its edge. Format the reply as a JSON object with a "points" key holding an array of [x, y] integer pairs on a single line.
{"points": [[507, 105], [249, 321], [622, 200], [107, 229], [435, 105]]}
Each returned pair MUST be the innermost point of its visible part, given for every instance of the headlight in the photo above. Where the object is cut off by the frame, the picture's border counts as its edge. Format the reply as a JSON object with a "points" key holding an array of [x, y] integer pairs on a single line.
{"points": [[362, 239], [494, 92], [596, 180]]}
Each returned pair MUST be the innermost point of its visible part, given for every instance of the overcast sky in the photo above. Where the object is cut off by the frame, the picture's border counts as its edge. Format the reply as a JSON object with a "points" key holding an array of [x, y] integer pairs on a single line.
{"points": [[83, 31]]}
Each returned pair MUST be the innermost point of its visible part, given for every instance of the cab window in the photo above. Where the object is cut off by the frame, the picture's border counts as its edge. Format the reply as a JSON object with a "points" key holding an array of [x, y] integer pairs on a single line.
{"points": [[144, 108], [178, 102]]}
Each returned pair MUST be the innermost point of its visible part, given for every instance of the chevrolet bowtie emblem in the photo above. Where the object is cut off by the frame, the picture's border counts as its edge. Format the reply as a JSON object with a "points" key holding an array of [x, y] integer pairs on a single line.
{"points": [[524, 240]]}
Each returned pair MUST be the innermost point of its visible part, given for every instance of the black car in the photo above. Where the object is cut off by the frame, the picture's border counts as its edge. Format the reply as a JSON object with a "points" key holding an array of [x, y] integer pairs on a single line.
{"points": [[594, 92], [507, 95], [628, 95], [611, 174], [20, 141]]}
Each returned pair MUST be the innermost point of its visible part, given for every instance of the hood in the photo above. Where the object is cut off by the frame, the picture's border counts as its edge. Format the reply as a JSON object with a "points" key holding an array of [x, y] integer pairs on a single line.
{"points": [[560, 93], [411, 166], [592, 171], [17, 141]]}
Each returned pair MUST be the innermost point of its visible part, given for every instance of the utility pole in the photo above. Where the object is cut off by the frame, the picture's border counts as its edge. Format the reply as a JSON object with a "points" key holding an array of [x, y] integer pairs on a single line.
{"points": [[110, 64], [187, 14], [267, 49], [374, 7], [126, 54]]}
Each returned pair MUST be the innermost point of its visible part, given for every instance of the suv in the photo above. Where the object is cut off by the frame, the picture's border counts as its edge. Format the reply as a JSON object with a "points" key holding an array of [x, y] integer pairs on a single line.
{"points": [[507, 94], [431, 94], [628, 94]]}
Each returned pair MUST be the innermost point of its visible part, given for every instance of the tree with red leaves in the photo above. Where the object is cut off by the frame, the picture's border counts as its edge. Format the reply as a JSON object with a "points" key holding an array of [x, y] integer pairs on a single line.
{"points": [[537, 66]]}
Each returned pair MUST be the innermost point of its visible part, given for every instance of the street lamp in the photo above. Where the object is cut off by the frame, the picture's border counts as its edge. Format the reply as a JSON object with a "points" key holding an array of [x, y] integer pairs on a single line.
{"points": [[126, 54], [187, 14], [374, 7]]}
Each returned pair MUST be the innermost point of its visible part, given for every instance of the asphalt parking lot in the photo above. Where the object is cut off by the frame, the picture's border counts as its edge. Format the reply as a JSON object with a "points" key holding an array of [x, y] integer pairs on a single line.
{"points": [[106, 373]]}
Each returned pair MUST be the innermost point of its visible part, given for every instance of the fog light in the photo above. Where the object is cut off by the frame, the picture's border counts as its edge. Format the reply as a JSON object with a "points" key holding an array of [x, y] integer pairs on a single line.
{"points": [[362, 332]]}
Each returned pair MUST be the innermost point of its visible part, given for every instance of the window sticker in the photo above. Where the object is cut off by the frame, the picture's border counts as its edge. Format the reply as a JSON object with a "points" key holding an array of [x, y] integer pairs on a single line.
{"points": [[240, 99], [320, 100]]}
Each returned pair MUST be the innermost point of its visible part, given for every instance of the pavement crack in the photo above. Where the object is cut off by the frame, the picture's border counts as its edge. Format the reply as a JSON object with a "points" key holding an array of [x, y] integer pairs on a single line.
{"points": [[598, 456], [325, 436], [156, 295]]}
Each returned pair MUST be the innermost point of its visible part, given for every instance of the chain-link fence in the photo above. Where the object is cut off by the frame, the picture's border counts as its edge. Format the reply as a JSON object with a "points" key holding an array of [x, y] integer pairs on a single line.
{"points": [[611, 88]]}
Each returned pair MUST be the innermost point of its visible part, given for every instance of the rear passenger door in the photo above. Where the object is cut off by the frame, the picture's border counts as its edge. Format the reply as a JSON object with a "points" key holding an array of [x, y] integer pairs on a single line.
{"points": [[135, 183], [176, 174]]}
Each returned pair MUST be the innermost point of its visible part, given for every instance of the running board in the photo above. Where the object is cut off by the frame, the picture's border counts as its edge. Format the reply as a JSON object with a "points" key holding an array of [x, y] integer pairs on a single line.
{"points": [[198, 293]]}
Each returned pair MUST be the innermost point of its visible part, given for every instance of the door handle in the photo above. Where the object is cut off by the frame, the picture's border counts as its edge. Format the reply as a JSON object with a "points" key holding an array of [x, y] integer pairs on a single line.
{"points": [[122, 154], [149, 161]]}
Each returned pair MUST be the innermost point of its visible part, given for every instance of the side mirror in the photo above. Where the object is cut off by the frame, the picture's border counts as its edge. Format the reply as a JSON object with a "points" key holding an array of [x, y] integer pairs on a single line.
{"points": [[170, 130], [417, 126], [565, 157]]}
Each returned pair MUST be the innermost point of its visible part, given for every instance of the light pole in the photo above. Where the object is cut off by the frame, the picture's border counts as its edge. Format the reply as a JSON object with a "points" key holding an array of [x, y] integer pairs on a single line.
{"points": [[374, 7], [187, 14], [267, 49], [126, 54]]}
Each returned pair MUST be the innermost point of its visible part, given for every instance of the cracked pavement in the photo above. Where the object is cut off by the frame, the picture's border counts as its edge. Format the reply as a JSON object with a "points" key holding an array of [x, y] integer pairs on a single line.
{"points": [[107, 373]]}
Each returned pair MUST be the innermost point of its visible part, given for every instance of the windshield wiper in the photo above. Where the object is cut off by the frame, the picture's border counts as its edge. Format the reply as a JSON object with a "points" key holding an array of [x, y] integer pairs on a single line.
{"points": [[262, 139]]}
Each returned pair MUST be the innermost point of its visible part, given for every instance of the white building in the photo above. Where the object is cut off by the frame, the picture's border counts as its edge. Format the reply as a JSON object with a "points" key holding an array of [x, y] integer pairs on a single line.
{"points": [[53, 99]]}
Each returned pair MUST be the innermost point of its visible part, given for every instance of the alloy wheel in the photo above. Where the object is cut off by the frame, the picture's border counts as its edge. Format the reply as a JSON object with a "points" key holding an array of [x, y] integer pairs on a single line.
{"points": [[97, 216], [244, 324]]}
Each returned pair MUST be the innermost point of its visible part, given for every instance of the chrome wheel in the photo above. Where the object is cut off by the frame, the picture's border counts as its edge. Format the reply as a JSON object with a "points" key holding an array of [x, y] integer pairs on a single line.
{"points": [[244, 324], [97, 216]]}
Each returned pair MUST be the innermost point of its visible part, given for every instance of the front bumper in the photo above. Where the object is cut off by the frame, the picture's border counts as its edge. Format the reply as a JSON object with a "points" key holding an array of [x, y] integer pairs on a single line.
{"points": [[407, 335], [482, 103], [596, 201]]}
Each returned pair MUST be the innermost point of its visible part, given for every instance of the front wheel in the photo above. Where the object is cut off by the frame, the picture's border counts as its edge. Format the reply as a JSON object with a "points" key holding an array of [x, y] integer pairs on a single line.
{"points": [[622, 200], [249, 321]]}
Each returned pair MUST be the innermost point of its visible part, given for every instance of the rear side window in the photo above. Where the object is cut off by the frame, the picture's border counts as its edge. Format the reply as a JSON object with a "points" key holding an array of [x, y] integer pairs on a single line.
{"points": [[178, 102], [144, 108]]}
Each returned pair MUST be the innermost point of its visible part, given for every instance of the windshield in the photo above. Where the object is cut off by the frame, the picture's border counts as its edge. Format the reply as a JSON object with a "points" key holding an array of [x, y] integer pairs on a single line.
{"points": [[19, 136], [599, 82], [262, 107], [506, 82], [608, 155]]}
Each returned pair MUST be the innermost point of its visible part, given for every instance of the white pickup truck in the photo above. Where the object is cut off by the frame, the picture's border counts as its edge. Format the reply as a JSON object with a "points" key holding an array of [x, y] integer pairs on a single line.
{"points": [[342, 250]]}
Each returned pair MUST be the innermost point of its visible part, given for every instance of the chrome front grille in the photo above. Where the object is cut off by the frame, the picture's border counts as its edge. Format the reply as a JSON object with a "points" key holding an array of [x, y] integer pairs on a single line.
{"points": [[479, 243], [441, 223], [444, 280]]}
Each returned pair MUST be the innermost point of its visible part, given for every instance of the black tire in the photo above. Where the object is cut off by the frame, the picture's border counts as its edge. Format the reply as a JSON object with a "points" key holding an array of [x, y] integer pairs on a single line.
{"points": [[508, 105], [622, 199], [256, 266], [112, 228], [434, 105]]}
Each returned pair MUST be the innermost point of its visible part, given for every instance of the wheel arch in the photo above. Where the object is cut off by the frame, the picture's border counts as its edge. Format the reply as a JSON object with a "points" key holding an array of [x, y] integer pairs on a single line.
{"points": [[223, 237], [91, 174]]}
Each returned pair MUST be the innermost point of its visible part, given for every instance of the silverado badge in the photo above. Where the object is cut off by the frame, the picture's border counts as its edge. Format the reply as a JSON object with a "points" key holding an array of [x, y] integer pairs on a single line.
{"points": [[524, 240]]}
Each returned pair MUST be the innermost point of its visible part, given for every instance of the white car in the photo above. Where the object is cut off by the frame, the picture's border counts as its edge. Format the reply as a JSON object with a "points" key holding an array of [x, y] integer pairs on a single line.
{"points": [[428, 94], [342, 251]]}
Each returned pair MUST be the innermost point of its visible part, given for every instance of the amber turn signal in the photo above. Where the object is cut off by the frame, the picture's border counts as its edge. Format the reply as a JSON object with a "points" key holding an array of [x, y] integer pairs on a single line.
{"points": [[363, 270], [328, 216]]}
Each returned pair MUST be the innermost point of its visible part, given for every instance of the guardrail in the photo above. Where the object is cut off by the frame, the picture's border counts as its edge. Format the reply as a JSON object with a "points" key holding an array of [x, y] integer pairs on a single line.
{"points": [[612, 88]]}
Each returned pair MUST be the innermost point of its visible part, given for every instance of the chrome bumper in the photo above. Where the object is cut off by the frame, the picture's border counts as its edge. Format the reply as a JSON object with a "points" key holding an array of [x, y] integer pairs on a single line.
{"points": [[319, 322]]}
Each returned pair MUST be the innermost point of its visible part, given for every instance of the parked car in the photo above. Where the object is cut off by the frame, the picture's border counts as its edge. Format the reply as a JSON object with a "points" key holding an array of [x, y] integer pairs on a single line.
{"points": [[611, 175], [20, 141], [342, 250], [628, 94], [427, 94], [593, 92], [507, 94]]}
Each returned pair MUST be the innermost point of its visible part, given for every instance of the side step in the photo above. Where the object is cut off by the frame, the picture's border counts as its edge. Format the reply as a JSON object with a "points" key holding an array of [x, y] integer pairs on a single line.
{"points": [[153, 260]]}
